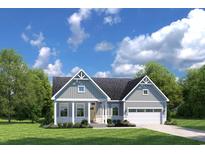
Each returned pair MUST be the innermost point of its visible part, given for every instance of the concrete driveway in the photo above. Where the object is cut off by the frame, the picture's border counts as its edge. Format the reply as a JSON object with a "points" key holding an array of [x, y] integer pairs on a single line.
{"points": [[178, 131]]}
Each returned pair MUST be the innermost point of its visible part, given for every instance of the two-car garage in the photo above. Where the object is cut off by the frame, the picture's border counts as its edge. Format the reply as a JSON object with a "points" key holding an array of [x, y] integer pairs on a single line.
{"points": [[144, 115]]}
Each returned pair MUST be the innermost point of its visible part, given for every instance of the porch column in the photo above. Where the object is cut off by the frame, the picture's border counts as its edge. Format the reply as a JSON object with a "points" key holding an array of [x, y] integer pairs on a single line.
{"points": [[106, 112], [124, 113], [103, 113], [88, 112], [73, 114], [55, 113]]}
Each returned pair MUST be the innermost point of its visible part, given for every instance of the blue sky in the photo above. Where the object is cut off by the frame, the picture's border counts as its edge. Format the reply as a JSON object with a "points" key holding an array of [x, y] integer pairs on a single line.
{"points": [[105, 42]]}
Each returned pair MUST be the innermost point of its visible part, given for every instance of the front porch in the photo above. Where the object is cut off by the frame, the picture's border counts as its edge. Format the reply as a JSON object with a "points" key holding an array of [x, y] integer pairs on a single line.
{"points": [[76, 111]]}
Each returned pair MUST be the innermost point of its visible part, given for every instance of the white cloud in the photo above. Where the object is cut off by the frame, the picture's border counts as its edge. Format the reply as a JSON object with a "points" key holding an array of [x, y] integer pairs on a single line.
{"points": [[28, 27], [104, 46], [43, 58], [180, 44], [24, 37], [103, 74], [127, 70], [54, 69], [38, 40], [111, 20], [78, 33], [197, 65]]}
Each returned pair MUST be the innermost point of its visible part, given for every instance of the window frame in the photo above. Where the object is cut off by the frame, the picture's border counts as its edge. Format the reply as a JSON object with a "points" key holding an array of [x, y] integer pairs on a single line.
{"points": [[145, 90], [76, 110], [79, 86], [118, 110], [63, 105]]}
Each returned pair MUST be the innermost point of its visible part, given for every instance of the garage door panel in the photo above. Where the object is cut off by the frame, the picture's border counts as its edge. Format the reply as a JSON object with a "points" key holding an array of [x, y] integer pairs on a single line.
{"points": [[144, 117]]}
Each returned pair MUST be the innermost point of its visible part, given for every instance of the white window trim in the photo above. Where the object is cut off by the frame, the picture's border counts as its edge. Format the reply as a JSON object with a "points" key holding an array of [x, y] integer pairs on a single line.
{"points": [[118, 107], [145, 90], [79, 87], [64, 105], [76, 114], [161, 108]]}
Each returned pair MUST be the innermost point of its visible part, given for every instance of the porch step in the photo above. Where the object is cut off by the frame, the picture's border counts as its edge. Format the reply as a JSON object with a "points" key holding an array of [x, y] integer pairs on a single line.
{"points": [[96, 125]]}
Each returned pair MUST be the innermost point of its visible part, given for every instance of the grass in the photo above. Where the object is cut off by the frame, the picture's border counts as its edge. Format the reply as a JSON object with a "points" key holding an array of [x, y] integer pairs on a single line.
{"points": [[32, 134], [191, 123]]}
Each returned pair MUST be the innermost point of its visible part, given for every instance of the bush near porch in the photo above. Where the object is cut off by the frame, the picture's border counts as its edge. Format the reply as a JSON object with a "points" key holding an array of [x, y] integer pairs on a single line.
{"points": [[119, 123]]}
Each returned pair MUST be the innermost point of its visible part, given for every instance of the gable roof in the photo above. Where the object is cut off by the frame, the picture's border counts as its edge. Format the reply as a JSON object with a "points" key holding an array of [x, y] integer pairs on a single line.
{"points": [[77, 74], [115, 88]]}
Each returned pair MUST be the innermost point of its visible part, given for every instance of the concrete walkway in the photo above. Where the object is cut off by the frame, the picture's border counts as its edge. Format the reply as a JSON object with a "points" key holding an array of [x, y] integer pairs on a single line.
{"points": [[178, 131]]}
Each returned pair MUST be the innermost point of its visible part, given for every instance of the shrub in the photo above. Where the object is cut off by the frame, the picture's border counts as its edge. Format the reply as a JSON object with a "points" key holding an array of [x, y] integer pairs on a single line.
{"points": [[111, 125], [64, 125], [51, 125], [109, 121], [69, 125], [84, 122], [114, 121], [60, 125], [77, 125], [172, 122]]}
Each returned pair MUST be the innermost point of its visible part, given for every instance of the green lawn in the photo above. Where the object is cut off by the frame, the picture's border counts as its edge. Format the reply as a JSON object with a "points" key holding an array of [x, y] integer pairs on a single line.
{"points": [[28, 133], [191, 123]]}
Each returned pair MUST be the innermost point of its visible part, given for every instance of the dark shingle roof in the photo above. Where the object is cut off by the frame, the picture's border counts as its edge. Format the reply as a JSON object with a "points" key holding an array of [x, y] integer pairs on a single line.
{"points": [[115, 88]]}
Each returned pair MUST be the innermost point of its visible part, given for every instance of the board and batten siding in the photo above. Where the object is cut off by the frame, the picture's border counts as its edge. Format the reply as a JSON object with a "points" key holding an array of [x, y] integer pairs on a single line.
{"points": [[91, 91], [154, 94]]}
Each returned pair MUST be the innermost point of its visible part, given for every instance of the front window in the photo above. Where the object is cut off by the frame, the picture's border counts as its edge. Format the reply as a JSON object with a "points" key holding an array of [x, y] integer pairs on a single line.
{"points": [[115, 111], [145, 91], [80, 110], [63, 111], [81, 89]]}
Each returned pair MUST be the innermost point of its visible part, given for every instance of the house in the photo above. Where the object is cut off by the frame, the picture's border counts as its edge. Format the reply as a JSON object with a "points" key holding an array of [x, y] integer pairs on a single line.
{"points": [[80, 97]]}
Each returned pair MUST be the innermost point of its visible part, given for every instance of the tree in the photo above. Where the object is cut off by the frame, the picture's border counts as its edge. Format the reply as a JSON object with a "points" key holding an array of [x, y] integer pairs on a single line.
{"points": [[44, 93], [13, 74], [194, 94], [165, 80]]}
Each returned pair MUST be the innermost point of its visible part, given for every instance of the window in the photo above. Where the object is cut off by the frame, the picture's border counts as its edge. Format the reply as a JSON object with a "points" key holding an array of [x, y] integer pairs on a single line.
{"points": [[63, 110], [80, 110], [132, 110], [81, 89], [145, 92], [149, 110], [140, 110], [157, 110], [115, 111]]}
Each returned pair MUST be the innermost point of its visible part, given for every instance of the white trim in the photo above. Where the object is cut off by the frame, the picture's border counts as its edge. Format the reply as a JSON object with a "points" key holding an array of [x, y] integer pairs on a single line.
{"points": [[144, 91], [79, 99], [144, 101], [81, 70], [81, 86], [115, 101], [140, 83], [88, 112], [144, 108], [105, 112], [73, 112], [63, 105], [77, 109], [55, 113]]}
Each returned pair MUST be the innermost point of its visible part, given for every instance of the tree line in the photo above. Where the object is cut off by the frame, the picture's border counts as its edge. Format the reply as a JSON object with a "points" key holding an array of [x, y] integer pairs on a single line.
{"points": [[25, 93]]}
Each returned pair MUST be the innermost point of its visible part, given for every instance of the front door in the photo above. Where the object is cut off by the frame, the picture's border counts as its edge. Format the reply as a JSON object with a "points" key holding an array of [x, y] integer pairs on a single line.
{"points": [[93, 112]]}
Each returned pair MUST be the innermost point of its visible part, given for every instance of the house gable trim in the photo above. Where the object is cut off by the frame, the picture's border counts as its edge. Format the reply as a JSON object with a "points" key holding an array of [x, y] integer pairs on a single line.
{"points": [[81, 70], [142, 80]]}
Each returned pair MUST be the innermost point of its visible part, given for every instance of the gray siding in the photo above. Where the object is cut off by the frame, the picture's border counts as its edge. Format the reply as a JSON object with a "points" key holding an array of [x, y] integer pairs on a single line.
{"points": [[143, 104], [91, 91], [154, 94]]}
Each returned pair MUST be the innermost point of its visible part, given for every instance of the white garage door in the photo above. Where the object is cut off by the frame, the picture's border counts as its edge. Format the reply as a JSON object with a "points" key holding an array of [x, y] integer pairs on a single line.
{"points": [[144, 116]]}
